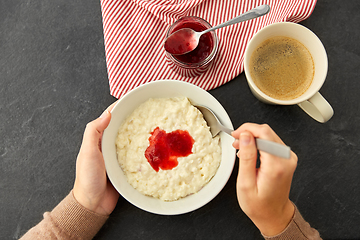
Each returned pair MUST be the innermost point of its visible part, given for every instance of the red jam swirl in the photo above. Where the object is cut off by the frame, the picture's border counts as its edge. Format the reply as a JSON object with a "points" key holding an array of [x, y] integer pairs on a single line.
{"points": [[203, 50], [165, 148]]}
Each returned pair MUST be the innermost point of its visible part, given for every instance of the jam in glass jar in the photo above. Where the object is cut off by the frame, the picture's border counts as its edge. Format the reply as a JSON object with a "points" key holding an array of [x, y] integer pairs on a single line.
{"points": [[197, 61]]}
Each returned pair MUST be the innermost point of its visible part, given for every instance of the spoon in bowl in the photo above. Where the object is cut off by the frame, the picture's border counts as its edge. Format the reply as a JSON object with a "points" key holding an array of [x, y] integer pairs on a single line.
{"points": [[213, 122], [186, 39]]}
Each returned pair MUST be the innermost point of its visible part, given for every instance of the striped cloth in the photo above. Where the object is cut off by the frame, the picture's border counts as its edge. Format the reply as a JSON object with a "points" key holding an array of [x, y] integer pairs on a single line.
{"points": [[134, 31]]}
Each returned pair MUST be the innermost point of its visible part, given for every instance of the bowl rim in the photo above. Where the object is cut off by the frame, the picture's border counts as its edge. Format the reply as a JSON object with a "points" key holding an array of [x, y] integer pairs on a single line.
{"points": [[196, 95]]}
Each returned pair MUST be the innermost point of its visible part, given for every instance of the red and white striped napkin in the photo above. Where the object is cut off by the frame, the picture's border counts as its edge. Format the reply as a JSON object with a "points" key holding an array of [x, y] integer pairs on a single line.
{"points": [[134, 31]]}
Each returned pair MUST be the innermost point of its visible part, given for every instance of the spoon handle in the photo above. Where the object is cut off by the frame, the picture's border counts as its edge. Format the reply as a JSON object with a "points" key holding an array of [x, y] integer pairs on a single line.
{"points": [[253, 13], [273, 148]]}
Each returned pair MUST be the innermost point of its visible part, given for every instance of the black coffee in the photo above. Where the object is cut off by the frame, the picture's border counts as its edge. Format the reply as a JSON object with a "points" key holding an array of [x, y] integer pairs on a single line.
{"points": [[282, 68]]}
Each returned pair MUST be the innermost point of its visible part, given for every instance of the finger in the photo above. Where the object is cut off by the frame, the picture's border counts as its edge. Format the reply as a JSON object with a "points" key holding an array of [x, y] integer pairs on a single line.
{"points": [[94, 130], [262, 131], [236, 133], [247, 160], [104, 118], [236, 144], [110, 108]]}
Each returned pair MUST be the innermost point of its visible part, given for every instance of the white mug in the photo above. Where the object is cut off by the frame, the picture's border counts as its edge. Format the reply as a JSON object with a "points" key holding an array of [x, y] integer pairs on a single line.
{"points": [[312, 102]]}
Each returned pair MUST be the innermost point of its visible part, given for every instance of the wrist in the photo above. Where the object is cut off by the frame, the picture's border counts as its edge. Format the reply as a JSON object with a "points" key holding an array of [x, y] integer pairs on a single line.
{"points": [[82, 199], [79, 198], [277, 223]]}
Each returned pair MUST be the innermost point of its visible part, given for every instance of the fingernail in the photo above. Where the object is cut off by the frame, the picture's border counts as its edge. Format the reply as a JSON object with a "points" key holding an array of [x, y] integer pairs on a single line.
{"points": [[244, 139], [104, 114]]}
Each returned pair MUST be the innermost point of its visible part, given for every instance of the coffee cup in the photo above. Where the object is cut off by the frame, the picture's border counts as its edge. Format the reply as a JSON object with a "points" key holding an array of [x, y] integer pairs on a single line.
{"points": [[309, 99]]}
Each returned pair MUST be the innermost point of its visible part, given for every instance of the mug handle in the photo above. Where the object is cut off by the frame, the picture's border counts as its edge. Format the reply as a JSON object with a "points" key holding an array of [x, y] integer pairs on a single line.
{"points": [[318, 108]]}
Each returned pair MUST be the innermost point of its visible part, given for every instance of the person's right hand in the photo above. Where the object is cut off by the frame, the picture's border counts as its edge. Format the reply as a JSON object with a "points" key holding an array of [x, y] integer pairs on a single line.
{"points": [[263, 193]]}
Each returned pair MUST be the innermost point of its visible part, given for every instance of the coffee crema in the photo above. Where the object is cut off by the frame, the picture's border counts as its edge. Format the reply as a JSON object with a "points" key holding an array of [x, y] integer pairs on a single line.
{"points": [[282, 68]]}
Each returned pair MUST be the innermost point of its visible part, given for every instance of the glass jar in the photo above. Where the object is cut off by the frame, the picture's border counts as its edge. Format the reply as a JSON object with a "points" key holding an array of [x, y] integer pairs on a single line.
{"points": [[197, 61]]}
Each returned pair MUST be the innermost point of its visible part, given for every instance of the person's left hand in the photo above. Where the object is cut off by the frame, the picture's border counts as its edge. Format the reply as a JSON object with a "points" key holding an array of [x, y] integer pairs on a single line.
{"points": [[92, 189]]}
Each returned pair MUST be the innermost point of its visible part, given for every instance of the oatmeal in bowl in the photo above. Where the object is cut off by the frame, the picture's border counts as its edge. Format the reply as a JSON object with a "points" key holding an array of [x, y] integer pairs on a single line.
{"points": [[158, 150], [166, 150]]}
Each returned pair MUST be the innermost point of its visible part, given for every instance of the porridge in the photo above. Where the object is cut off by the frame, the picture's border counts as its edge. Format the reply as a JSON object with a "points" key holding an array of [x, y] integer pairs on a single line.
{"points": [[166, 150]]}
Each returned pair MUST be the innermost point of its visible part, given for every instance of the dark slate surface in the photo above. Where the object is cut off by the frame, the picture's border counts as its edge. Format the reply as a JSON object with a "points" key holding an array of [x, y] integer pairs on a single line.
{"points": [[53, 81]]}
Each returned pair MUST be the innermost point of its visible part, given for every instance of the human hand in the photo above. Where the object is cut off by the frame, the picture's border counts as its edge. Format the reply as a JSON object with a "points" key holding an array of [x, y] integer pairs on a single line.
{"points": [[92, 189], [263, 193]]}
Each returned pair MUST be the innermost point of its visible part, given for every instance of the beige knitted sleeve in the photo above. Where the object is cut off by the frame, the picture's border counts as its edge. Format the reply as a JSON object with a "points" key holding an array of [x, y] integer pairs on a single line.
{"points": [[68, 220], [298, 228]]}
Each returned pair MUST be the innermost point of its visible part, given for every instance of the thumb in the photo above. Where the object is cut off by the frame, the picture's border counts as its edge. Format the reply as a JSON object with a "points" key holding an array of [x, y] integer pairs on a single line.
{"points": [[95, 129], [247, 160], [104, 121]]}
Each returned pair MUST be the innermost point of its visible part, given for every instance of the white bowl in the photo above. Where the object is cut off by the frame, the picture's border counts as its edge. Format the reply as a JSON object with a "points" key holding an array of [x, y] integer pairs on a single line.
{"points": [[162, 89]]}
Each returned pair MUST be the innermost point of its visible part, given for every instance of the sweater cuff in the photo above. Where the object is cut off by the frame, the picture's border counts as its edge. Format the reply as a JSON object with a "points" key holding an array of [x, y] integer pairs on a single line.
{"points": [[77, 220], [298, 228]]}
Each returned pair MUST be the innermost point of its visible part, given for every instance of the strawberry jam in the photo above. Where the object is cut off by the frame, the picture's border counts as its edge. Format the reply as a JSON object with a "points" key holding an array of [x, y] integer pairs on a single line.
{"points": [[165, 148], [198, 60], [204, 48]]}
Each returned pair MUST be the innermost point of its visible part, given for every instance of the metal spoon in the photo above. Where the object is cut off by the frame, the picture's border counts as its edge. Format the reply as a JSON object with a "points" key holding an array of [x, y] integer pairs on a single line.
{"points": [[185, 40], [213, 122]]}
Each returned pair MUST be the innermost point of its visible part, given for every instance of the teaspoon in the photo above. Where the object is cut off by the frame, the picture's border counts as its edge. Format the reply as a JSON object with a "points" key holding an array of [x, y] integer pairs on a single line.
{"points": [[213, 122], [186, 39]]}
